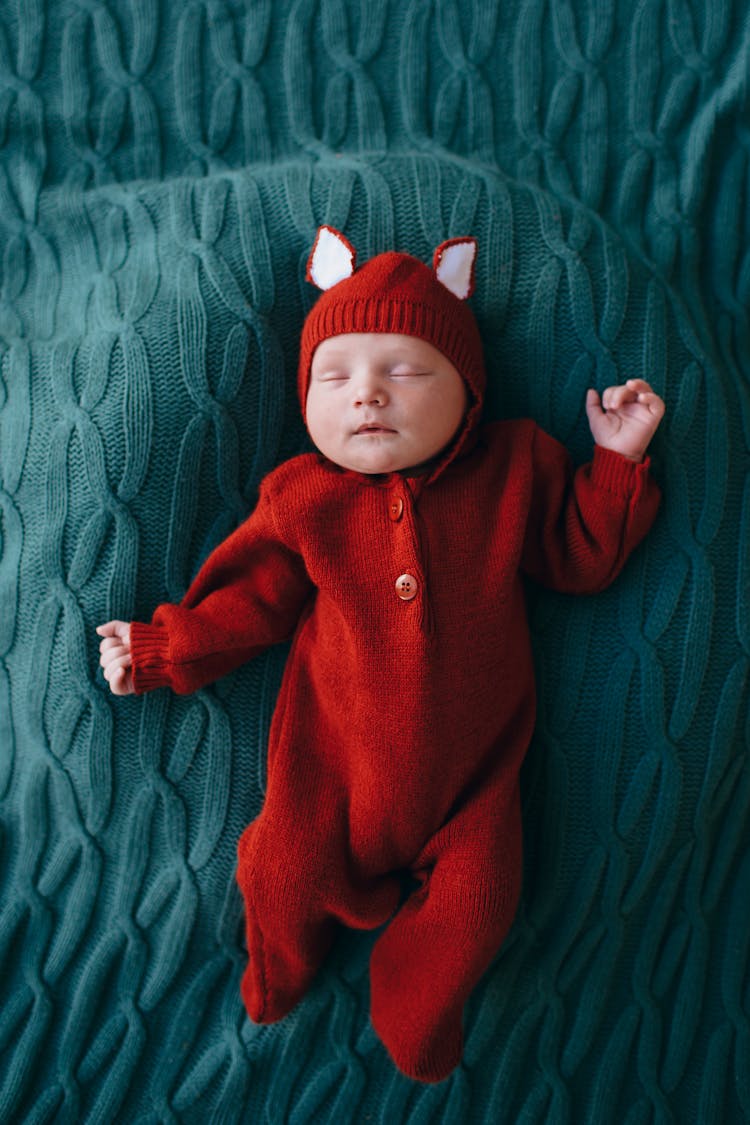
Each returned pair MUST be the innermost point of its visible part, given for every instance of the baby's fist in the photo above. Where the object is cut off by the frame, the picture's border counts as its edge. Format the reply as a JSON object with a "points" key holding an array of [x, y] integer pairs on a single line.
{"points": [[625, 418], [115, 658]]}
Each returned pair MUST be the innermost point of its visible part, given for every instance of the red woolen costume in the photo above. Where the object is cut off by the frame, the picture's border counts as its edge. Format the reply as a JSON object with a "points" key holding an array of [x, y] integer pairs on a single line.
{"points": [[408, 698]]}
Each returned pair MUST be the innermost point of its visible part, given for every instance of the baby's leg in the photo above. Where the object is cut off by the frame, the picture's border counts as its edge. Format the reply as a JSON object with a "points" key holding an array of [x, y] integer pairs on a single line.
{"points": [[433, 953], [288, 933], [297, 887]]}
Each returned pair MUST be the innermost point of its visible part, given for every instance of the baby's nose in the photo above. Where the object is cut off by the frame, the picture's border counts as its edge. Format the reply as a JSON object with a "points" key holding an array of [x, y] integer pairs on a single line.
{"points": [[369, 392]]}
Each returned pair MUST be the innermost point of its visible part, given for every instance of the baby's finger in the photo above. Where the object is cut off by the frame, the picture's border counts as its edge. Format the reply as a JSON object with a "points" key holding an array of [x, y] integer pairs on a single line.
{"points": [[654, 404], [614, 397], [108, 659], [113, 629], [119, 684], [110, 672], [110, 643], [593, 402], [640, 386], [111, 667]]}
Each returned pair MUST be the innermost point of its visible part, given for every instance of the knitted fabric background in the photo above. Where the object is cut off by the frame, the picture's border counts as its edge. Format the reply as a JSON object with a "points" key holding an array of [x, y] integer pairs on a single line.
{"points": [[163, 169]]}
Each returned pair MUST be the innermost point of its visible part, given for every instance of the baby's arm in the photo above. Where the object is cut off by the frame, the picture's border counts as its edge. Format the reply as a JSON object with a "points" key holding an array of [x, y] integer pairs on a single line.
{"points": [[583, 524], [625, 418], [248, 595], [115, 656]]}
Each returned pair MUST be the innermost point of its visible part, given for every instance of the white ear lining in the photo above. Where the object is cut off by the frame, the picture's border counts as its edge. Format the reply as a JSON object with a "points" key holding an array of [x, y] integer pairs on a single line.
{"points": [[332, 259], [454, 266]]}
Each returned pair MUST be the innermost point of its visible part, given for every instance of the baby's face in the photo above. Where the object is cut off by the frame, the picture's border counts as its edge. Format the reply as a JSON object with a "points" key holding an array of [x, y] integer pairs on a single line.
{"points": [[380, 403]]}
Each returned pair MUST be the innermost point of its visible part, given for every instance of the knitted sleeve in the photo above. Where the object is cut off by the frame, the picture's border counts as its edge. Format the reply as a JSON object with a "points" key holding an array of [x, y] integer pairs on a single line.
{"points": [[247, 595], [583, 524]]}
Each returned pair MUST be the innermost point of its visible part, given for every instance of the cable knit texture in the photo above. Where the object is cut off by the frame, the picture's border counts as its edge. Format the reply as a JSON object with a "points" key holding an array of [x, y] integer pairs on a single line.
{"points": [[164, 170]]}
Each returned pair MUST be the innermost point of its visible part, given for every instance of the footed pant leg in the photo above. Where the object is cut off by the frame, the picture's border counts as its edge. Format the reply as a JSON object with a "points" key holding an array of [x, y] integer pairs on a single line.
{"points": [[435, 950], [288, 934], [297, 888]]}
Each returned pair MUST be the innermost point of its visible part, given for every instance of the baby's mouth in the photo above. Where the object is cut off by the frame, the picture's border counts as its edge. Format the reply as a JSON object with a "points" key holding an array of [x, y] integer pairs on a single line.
{"points": [[373, 428]]}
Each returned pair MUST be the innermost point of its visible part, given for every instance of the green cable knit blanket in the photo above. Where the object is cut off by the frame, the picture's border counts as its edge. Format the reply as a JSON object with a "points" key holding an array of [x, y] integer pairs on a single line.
{"points": [[163, 169]]}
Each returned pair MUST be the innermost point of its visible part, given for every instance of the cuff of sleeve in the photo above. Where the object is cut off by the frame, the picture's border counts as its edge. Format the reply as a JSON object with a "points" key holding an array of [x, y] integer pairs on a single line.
{"points": [[149, 649], [617, 474]]}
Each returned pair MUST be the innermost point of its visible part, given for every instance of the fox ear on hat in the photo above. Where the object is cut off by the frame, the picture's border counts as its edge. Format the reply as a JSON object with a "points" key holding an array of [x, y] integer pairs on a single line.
{"points": [[453, 263], [332, 258]]}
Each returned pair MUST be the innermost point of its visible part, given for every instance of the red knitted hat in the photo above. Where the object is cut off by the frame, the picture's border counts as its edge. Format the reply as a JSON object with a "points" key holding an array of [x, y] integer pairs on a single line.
{"points": [[395, 293]]}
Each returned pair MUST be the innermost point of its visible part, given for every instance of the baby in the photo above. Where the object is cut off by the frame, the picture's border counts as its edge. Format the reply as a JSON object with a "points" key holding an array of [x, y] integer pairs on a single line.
{"points": [[394, 557]]}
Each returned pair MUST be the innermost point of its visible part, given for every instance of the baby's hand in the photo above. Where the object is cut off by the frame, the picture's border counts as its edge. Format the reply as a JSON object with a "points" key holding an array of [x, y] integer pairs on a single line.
{"points": [[625, 418], [115, 656]]}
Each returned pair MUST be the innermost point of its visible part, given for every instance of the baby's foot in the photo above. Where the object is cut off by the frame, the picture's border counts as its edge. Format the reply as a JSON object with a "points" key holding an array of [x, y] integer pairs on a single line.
{"points": [[265, 1004]]}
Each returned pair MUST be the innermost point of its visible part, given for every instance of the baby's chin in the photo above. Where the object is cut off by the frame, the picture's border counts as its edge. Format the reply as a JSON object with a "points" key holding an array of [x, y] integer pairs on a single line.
{"points": [[376, 459], [373, 468], [379, 467]]}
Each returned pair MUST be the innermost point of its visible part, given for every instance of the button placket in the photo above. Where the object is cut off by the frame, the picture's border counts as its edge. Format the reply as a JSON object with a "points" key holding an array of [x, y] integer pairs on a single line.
{"points": [[408, 584]]}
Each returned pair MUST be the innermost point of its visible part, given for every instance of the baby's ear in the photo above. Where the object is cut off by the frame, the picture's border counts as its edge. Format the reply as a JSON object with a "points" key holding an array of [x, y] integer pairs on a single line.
{"points": [[453, 263], [332, 258]]}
